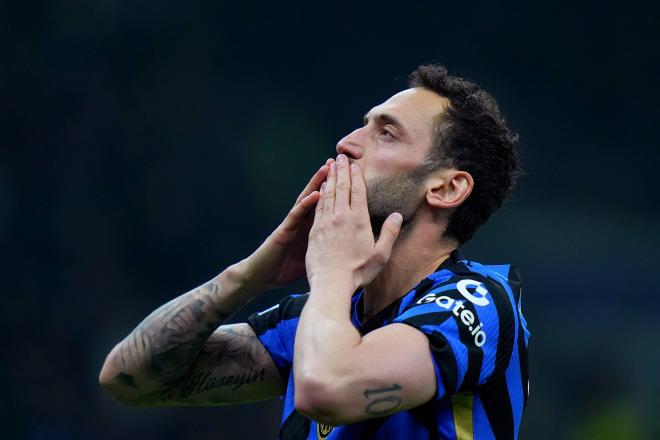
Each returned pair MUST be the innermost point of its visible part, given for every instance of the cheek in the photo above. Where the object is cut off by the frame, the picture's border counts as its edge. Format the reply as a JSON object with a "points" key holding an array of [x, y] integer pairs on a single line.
{"points": [[380, 159], [390, 162]]}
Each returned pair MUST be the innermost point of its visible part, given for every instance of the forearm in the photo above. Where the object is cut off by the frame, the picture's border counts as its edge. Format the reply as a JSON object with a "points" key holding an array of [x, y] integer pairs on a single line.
{"points": [[326, 340], [154, 358], [342, 377]]}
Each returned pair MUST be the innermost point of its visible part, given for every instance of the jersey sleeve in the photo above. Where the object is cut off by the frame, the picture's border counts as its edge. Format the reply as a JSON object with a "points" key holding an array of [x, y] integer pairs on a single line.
{"points": [[471, 328], [276, 328]]}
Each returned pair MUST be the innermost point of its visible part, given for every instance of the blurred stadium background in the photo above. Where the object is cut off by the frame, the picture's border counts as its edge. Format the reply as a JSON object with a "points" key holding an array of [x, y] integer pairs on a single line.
{"points": [[147, 145]]}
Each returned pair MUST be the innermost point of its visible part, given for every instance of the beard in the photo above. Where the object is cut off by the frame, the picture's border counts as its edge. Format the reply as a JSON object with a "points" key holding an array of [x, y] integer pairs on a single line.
{"points": [[400, 193]]}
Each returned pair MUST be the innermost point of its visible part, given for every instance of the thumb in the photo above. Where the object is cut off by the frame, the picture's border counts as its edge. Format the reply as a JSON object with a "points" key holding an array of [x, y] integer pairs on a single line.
{"points": [[388, 234]]}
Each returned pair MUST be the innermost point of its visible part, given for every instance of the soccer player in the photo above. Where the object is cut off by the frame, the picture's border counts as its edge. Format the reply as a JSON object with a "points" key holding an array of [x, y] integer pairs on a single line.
{"points": [[400, 336]]}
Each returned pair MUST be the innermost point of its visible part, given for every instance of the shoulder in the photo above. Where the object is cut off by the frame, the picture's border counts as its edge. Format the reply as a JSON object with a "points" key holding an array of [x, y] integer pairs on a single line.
{"points": [[288, 308], [470, 309], [484, 288], [276, 329]]}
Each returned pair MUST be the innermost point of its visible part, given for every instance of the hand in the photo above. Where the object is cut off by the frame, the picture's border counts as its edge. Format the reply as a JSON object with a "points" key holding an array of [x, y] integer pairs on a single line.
{"points": [[341, 244], [281, 258]]}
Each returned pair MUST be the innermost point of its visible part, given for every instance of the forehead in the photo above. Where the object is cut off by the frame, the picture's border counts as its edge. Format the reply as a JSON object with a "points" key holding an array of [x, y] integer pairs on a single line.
{"points": [[416, 108]]}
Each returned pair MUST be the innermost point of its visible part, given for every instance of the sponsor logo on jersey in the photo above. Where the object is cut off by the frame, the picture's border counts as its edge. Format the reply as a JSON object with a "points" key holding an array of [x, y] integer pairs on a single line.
{"points": [[323, 431], [480, 300], [457, 307]]}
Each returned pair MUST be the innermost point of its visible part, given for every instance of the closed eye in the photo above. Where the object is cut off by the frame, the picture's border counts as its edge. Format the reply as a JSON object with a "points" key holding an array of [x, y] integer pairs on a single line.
{"points": [[386, 133], [389, 126]]}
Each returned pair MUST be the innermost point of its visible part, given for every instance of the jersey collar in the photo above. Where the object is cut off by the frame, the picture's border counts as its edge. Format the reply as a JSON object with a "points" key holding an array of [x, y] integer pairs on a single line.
{"points": [[381, 318]]}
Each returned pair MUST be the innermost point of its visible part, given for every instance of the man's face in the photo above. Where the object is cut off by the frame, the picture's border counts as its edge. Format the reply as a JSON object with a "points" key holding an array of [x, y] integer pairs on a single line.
{"points": [[390, 147]]}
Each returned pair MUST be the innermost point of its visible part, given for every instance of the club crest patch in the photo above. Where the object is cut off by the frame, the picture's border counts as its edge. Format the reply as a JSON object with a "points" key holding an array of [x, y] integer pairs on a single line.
{"points": [[323, 431]]}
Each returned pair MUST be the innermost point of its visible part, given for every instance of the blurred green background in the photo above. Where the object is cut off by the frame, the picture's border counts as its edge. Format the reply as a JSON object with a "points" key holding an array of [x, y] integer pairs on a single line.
{"points": [[148, 145]]}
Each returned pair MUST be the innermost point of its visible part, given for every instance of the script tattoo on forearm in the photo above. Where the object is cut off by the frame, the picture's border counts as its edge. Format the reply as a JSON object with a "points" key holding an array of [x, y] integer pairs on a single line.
{"points": [[202, 382], [236, 345], [164, 346], [382, 400]]}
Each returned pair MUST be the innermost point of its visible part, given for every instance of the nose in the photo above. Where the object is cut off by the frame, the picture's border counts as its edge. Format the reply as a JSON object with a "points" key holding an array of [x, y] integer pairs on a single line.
{"points": [[350, 145]]}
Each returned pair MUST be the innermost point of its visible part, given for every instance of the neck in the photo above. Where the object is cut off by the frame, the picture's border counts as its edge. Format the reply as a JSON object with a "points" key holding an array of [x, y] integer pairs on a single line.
{"points": [[415, 255]]}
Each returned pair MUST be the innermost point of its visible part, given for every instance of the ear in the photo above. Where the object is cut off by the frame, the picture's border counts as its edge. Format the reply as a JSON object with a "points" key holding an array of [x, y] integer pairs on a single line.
{"points": [[449, 189]]}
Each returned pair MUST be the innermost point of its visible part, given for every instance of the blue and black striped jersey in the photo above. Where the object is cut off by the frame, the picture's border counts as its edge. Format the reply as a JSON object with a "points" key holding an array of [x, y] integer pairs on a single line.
{"points": [[471, 314]]}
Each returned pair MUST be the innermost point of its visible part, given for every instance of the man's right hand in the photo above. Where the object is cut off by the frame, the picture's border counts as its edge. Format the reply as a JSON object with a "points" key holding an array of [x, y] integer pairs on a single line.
{"points": [[281, 258]]}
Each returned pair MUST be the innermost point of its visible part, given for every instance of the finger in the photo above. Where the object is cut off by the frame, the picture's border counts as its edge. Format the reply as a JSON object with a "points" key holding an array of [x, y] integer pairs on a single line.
{"points": [[388, 234], [329, 192], [343, 187], [358, 189], [319, 206], [315, 182], [300, 211]]}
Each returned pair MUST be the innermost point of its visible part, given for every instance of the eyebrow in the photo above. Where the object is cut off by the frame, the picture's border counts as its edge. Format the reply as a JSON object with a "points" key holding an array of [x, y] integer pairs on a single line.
{"points": [[385, 118]]}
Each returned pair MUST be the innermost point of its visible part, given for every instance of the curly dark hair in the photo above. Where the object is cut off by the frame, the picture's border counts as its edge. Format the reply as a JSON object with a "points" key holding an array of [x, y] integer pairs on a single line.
{"points": [[471, 136]]}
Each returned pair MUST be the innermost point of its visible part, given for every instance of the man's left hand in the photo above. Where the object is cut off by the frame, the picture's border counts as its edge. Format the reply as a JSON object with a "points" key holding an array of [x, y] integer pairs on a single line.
{"points": [[341, 248]]}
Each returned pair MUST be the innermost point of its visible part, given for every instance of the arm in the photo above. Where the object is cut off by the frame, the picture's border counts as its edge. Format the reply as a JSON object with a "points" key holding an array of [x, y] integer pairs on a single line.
{"points": [[341, 377], [233, 367], [154, 363]]}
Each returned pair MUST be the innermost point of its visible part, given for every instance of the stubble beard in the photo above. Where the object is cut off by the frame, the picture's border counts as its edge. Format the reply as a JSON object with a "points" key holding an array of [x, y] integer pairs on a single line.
{"points": [[400, 193]]}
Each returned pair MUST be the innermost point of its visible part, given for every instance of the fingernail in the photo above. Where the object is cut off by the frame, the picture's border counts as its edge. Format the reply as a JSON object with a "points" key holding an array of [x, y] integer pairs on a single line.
{"points": [[397, 218], [341, 158], [333, 166], [354, 168]]}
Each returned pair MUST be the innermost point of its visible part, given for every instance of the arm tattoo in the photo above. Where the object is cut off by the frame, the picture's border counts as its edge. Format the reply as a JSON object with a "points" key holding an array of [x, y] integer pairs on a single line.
{"points": [[165, 345], [385, 402], [231, 344], [205, 381], [235, 344]]}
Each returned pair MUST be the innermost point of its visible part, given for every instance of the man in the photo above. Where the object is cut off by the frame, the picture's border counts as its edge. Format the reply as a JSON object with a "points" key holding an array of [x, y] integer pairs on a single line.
{"points": [[400, 336]]}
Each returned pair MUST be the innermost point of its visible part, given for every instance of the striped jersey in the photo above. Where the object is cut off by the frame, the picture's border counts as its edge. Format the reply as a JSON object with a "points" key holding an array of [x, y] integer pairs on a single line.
{"points": [[471, 314]]}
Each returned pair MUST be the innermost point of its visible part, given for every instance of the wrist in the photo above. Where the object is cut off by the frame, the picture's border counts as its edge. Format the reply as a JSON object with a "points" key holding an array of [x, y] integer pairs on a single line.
{"points": [[236, 287], [336, 282]]}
